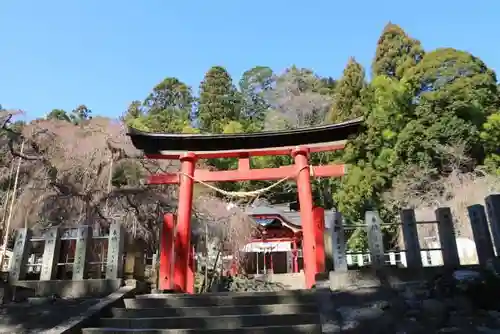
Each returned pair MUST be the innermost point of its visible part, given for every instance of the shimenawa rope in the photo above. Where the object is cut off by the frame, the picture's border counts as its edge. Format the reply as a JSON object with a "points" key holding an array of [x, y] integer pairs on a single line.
{"points": [[244, 194]]}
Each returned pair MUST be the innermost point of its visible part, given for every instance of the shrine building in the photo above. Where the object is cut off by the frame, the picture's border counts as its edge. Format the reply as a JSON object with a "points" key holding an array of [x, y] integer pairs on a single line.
{"points": [[276, 244]]}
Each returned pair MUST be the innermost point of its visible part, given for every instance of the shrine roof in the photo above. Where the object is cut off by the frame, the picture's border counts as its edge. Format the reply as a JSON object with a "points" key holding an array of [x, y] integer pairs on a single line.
{"points": [[290, 217], [174, 143]]}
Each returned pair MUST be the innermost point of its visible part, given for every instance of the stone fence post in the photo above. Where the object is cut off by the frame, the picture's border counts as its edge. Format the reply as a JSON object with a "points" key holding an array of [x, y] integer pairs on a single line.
{"points": [[338, 243], [116, 241], [82, 252], [447, 237], [410, 236], [481, 233], [20, 254], [375, 239], [493, 211], [51, 253]]}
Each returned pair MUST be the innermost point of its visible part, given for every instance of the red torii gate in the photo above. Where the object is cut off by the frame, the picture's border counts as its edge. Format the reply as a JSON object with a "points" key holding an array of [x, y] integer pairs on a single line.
{"points": [[188, 149]]}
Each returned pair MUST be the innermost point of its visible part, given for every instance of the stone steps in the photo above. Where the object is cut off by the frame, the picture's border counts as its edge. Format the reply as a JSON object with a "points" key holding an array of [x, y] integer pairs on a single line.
{"points": [[296, 293], [211, 322], [297, 329], [292, 311], [213, 300], [213, 311]]}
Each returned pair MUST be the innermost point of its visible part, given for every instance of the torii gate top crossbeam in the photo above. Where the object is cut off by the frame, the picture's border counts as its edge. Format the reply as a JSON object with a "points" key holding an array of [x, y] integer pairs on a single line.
{"points": [[243, 145], [287, 150], [243, 174]]}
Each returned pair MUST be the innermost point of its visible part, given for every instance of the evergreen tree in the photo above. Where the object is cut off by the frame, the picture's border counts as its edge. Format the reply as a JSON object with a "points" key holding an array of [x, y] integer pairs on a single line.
{"points": [[166, 109], [457, 82], [170, 94], [80, 114], [329, 85], [254, 86], [58, 114], [219, 101], [491, 139], [134, 110], [347, 94], [454, 93], [396, 52], [440, 102]]}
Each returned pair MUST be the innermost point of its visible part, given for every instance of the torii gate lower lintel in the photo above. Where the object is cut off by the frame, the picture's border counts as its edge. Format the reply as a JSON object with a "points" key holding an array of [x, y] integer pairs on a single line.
{"points": [[156, 146]]}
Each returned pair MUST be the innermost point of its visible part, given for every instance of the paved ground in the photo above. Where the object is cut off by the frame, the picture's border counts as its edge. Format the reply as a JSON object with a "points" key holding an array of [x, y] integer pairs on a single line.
{"points": [[40, 314]]}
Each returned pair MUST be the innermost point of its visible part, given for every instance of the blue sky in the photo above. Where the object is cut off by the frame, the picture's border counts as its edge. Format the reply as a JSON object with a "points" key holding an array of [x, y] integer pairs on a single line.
{"points": [[106, 53]]}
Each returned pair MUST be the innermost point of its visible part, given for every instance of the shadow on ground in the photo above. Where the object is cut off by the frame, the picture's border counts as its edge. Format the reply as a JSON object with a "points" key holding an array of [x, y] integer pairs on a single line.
{"points": [[34, 306], [40, 314], [428, 306]]}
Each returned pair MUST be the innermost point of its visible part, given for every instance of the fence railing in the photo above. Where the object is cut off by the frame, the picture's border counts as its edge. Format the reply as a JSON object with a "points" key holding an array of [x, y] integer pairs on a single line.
{"points": [[430, 258], [48, 257], [113, 263], [482, 219]]}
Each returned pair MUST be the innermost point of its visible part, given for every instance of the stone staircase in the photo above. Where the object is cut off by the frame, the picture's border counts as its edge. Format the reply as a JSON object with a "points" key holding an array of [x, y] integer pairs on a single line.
{"points": [[283, 312]]}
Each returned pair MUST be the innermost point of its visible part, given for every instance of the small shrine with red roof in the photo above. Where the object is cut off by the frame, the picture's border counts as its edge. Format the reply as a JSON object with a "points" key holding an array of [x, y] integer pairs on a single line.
{"points": [[276, 245]]}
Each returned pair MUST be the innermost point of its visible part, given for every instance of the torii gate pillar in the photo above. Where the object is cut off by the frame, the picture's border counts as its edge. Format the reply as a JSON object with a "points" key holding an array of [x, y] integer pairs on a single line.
{"points": [[300, 155], [183, 264]]}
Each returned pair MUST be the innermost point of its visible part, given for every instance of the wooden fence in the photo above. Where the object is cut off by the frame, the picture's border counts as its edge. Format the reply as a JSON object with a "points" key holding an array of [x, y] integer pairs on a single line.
{"points": [[50, 262]]}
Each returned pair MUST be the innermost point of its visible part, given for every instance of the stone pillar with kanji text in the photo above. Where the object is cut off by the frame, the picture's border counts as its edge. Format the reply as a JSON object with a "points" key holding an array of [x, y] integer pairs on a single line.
{"points": [[51, 253], [116, 241], [82, 252], [338, 243], [20, 253], [375, 239]]}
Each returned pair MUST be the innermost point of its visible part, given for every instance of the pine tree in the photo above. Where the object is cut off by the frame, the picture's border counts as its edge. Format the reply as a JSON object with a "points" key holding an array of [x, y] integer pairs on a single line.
{"points": [[347, 94], [396, 52], [219, 101]]}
